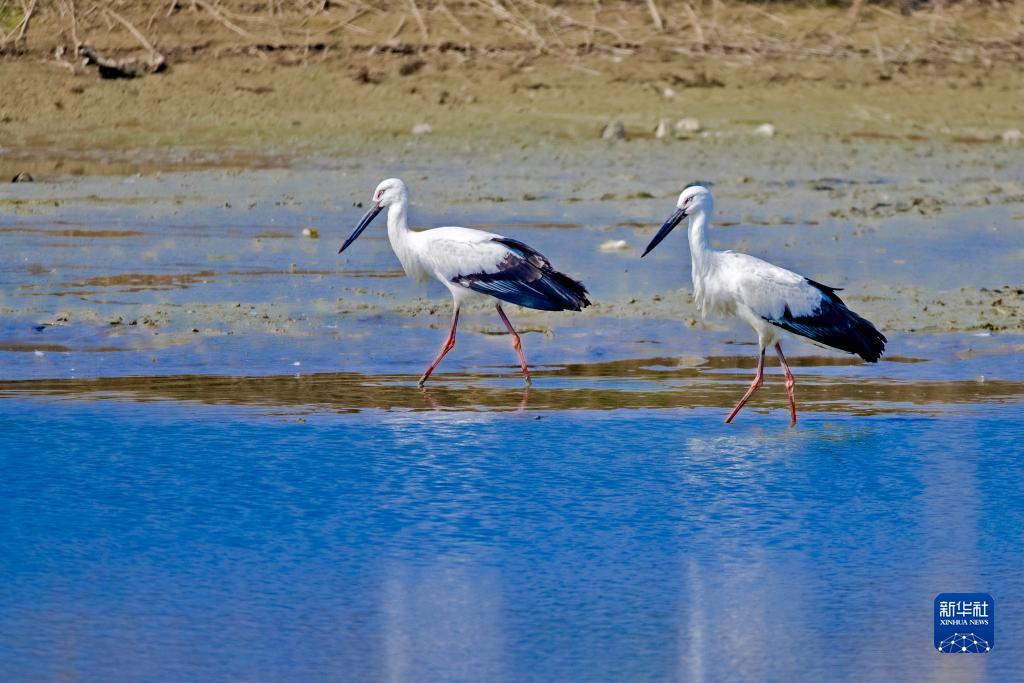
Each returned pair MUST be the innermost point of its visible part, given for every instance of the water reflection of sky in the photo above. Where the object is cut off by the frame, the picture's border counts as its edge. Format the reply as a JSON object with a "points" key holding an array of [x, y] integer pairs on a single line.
{"points": [[181, 542]]}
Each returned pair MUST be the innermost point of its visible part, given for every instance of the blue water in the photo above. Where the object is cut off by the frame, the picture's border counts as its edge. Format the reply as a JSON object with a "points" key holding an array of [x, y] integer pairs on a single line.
{"points": [[170, 541]]}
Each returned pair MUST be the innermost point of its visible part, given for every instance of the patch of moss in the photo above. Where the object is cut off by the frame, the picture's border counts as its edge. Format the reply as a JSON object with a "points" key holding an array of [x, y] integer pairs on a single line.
{"points": [[10, 17]]}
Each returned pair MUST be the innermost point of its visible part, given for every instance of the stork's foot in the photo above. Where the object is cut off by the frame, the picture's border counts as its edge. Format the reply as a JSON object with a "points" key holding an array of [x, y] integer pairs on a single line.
{"points": [[790, 385], [449, 344], [517, 344], [754, 386]]}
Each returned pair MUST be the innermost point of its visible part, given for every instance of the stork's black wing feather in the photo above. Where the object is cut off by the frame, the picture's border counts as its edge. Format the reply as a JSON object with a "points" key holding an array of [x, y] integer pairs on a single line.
{"points": [[525, 277], [835, 325]]}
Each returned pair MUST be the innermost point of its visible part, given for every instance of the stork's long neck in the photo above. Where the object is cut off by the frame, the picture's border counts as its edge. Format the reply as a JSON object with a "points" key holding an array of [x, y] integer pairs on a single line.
{"points": [[700, 249], [399, 232]]}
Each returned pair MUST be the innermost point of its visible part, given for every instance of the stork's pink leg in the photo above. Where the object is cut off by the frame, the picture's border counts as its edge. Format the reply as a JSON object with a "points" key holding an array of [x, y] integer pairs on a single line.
{"points": [[754, 386], [449, 344], [517, 344], [790, 384]]}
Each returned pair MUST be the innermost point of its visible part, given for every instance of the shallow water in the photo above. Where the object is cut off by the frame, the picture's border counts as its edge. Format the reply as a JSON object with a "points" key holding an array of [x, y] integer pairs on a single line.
{"points": [[214, 272], [172, 540], [217, 464]]}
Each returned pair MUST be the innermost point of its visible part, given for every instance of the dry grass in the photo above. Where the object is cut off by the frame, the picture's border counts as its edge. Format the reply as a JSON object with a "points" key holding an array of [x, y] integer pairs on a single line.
{"points": [[196, 29]]}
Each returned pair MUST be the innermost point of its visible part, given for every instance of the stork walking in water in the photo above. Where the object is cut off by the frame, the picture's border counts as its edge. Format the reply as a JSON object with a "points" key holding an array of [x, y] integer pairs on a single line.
{"points": [[768, 298], [472, 264]]}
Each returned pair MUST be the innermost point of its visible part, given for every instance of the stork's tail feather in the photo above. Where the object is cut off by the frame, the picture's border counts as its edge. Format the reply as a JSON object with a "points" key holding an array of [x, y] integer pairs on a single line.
{"points": [[570, 292], [835, 325], [548, 290]]}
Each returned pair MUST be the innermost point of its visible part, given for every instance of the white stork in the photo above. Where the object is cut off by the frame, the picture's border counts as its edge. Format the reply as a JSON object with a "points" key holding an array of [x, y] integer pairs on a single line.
{"points": [[768, 298], [472, 264]]}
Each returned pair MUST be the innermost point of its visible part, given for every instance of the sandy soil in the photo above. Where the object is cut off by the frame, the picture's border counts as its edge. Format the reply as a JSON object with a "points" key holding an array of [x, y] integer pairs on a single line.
{"points": [[242, 112], [254, 97]]}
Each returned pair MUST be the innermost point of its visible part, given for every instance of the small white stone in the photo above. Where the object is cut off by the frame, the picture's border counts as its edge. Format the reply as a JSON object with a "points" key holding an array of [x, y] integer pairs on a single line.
{"points": [[615, 130], [311, 233], [613, 245], [668, 93], [765, 129], [1012, 137], [661, 132], [687, 125], [39, 353], [422, 129], [297, 363]]}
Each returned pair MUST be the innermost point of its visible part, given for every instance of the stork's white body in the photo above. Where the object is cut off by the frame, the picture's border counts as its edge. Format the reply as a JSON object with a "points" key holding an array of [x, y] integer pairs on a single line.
{"points": [[444, 253], [729, 284], [772, 300], [473, 265]]}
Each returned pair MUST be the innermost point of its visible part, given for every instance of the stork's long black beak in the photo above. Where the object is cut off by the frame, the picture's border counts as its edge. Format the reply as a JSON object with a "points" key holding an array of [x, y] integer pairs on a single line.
{"points": [[672, 222], [367, 219]]}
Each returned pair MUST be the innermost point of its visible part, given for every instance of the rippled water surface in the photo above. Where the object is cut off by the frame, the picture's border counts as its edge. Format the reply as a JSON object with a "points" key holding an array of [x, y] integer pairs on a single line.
{"points": [[169, 540]]}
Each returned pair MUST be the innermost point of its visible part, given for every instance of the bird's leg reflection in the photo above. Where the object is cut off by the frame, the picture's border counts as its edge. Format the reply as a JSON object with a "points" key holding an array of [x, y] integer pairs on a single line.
{"points": [[525, 400], [436, 399], [430, 398]]}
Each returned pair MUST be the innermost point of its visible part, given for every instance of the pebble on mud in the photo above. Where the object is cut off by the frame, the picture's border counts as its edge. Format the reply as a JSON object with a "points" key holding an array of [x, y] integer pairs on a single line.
{"points": [[1012, 137], [311, 233], [613, 245], [661, 132], [687, 126], [615, 130], [765, 130], [422, 129], [133, 67]]}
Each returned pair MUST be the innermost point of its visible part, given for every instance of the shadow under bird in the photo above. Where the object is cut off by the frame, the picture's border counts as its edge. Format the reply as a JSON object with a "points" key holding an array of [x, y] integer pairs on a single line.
{"points": [[770, 299], [473, 265]]}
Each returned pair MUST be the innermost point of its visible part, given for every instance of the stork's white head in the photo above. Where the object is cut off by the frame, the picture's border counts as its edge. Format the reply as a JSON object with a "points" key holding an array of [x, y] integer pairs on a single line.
{"points": [[695, 198], [388, 192]]}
